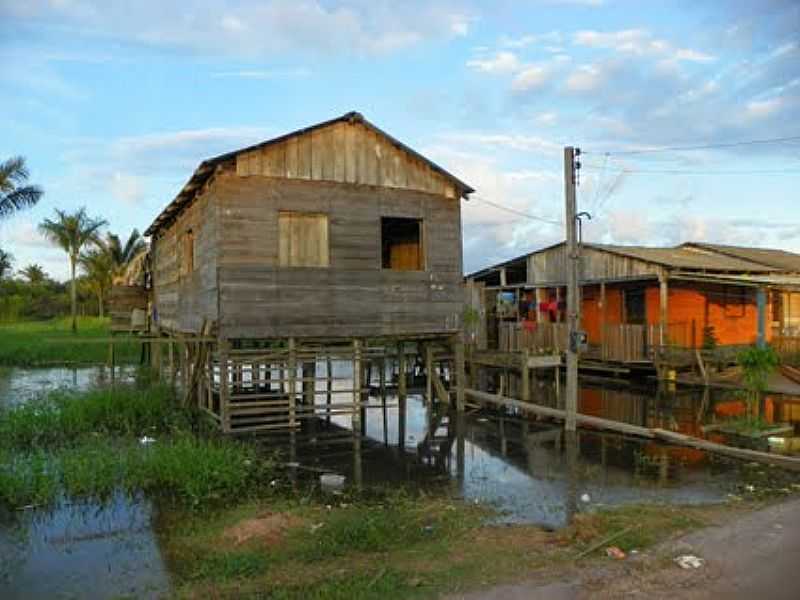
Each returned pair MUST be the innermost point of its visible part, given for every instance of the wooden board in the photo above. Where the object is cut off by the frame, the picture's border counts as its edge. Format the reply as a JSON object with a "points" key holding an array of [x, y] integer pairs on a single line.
{"points": [[346, 153]]}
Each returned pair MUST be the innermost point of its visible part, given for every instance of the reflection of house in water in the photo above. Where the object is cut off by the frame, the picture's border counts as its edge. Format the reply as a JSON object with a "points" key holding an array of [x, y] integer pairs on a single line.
{"points": [[635, 300]]}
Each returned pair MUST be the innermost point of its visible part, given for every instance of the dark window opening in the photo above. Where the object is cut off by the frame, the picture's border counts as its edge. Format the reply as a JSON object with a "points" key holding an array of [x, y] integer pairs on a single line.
{"points": [[635, 310], [401, 243]]}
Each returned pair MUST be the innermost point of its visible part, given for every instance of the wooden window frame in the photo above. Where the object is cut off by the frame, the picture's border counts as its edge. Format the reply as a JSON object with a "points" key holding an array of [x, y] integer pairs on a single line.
{"points": [[284, 260], [423, 243]]}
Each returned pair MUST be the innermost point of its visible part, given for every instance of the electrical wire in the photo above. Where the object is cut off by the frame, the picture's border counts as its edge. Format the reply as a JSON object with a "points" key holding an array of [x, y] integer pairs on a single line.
{"points": [[782, 140], [517, 212], [698, 171]]}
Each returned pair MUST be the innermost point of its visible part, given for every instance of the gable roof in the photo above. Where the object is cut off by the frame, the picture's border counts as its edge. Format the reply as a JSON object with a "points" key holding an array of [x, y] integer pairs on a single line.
{"points": [[681, 257], [207, 168], [688, 256], [776, 259]]}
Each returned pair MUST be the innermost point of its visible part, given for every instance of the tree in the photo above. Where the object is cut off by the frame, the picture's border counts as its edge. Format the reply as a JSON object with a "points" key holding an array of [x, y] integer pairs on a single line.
{"points": [[34, 274], [123, 256], [14, 194], [6, 260], [71, 232], [98, 265]]}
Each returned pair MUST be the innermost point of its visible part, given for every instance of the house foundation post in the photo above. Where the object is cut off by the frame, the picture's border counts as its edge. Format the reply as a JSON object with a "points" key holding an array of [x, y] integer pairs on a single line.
{"points": [[224, 386]]}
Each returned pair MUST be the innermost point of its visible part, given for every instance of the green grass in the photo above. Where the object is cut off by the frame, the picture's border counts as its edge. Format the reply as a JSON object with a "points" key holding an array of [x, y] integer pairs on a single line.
{"points": [[63, 417], [183, 469], [88, 444], [400, 547], [36, 343]]}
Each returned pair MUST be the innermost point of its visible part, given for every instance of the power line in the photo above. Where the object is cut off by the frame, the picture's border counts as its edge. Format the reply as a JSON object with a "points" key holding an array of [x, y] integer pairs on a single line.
{"points": [[699, 172], [517, 212], [794, 138]]}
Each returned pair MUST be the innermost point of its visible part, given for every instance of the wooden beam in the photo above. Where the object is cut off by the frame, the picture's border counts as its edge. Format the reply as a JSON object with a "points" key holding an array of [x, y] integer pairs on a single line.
{"points": [[672, 437]]}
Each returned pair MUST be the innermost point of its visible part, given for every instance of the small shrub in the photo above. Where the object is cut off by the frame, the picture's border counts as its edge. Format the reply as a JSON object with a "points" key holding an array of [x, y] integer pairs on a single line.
{"points": [[757, 365]]}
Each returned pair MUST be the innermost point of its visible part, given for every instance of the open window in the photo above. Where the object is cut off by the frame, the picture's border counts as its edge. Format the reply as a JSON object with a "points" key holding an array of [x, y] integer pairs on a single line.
{"points": [[401, 243], [303, 239], [187, 264]]}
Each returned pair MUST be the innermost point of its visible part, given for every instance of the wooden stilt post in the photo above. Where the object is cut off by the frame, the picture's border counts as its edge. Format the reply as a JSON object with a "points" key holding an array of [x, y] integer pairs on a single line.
{"points": [[357, 374], [356, 418], [171, 355], [525, 391], [328, 388], [429, 374], [402, 371], [291, 369], [183, 349], [224, 386], [460, 371]]}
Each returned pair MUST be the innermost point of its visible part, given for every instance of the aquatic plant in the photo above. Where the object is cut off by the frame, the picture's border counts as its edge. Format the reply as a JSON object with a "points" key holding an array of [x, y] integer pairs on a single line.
{"points": [[757, 364], [184, 469], [63, 417]]}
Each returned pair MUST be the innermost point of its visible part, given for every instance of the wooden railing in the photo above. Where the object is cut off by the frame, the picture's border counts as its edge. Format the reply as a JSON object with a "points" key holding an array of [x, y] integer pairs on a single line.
{"points": [[788, 348], [513, 337]]}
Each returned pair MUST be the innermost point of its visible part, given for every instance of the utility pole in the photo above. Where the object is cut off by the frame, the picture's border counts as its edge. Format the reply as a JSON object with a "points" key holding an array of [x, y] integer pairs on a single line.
{"points": [[571, 400]]}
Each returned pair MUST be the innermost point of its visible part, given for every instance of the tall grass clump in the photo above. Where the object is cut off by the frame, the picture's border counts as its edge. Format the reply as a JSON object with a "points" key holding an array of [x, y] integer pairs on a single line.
{"points": [[94, 443], [62, 417], [183, 469]]}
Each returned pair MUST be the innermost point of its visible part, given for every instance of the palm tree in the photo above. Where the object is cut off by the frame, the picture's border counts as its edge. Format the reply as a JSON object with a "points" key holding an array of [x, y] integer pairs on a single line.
{"points": [[5, 262], [34, 274], [99, 267], [14, 195], [71, 232], [123, 256]]}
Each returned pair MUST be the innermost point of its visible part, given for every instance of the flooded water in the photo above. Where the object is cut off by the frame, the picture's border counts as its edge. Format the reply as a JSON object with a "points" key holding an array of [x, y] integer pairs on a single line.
{"points": [[528, 470], [81, 550], [19, 385]]}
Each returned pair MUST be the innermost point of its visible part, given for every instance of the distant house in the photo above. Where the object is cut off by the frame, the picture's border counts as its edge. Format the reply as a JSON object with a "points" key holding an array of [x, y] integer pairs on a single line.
{"points": [[634, 298]]}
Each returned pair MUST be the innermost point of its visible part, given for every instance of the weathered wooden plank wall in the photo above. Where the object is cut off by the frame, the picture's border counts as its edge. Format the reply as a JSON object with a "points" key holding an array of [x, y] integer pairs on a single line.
{"points": [[183, 300], [550, 266], [345, 152], [354, 296]]}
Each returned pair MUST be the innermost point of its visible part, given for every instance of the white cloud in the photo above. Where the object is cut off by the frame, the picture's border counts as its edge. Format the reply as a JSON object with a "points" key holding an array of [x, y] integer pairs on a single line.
{"points": [[263, 74], [530, 78], [255, 28], [638, 42], [547, 119], [760, 109], [126, 187], [502, 62], [586, 79], [525, 143]]}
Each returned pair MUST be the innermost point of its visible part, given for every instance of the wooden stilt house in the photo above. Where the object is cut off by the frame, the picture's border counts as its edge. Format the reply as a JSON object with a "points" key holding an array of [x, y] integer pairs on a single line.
{"points": [[334, 234], [641, 303]]}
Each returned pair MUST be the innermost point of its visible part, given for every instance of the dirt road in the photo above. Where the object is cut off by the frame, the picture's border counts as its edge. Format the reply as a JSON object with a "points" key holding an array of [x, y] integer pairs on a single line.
{"points": [[756, 555]]}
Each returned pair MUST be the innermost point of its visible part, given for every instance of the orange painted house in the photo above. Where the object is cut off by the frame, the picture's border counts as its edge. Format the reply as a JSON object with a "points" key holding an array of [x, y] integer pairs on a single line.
{"points": [[634, 298]]}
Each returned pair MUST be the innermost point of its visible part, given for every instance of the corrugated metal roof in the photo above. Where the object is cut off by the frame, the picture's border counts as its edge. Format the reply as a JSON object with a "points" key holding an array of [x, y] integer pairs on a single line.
{"points": [[769, 257], [685, 258], [206, 168]]}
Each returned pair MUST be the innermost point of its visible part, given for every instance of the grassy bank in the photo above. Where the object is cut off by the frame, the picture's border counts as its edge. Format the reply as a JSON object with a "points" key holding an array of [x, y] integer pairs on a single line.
{"points": [[90, 444], [37, 343], [397, 547]]}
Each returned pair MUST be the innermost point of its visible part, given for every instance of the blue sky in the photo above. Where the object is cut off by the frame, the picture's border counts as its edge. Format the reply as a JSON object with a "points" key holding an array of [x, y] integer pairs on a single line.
{"points": [[114, 103]]}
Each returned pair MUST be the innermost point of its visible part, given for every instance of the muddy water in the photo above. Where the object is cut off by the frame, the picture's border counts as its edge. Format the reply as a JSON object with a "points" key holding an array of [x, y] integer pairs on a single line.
{"points": [[19, 385], [529, 471], [81, 550]]}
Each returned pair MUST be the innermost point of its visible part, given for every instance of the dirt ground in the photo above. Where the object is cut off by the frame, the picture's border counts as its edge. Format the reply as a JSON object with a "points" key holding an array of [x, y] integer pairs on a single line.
{"points": [[753, 555]]}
